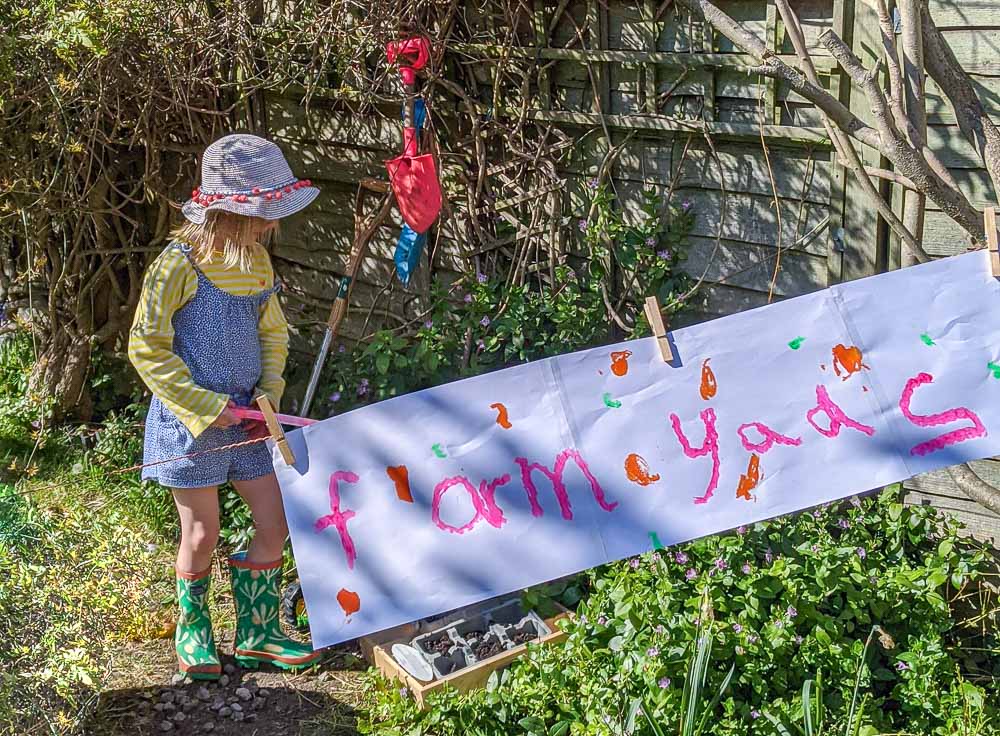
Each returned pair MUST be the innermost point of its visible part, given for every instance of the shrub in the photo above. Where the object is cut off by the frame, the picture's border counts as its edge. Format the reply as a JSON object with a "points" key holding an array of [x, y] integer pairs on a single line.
{"points": [[791, 598]]}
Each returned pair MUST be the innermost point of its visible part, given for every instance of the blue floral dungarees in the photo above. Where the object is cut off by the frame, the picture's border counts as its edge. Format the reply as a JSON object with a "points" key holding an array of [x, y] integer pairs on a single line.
{"points": [[215, 334]]}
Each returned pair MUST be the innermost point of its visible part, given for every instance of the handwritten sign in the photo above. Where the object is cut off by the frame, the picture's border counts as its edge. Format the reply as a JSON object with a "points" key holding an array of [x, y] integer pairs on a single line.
{"points": [[441, 498]]}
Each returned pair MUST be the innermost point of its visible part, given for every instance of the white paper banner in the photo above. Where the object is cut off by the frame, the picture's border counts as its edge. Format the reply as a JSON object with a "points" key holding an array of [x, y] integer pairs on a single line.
{"points": [[438, 499]]}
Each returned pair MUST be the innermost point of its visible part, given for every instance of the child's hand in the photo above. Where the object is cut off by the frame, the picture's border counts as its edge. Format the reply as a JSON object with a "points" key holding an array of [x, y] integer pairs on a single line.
{"points": [[255, 429], [226, 418]]}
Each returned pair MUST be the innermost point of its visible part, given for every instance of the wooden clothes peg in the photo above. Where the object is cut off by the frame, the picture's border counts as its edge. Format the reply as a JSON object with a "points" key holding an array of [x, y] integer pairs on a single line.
{"points": [[655, 319], [274, 427], [990, 222]]}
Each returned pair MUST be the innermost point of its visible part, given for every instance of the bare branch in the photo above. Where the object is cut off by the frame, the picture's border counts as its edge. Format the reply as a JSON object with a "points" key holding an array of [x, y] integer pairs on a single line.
{"points": [[909, 160], [975, 124], [774, 67], [842, 143], [889, 53]]}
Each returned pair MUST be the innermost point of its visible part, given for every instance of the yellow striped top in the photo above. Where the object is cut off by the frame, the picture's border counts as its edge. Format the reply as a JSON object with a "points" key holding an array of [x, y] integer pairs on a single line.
{"points": [[170, 283]]}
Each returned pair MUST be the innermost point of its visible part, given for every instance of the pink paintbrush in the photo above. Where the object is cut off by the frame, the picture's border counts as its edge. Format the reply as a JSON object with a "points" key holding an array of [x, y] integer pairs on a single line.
{"points": [[244, 413]]}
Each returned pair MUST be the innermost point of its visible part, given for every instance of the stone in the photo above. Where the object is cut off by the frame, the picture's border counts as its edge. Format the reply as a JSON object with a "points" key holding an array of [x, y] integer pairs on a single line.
{"points": [[224, 680], [179, 717], [225, 712], [219, 702], [237, 708], [167, 696], [169, 707], [232, 699], [166, 726], [229, 669], [237, 716], [203, 694], [252, 717], [263, 692], [158, 707], [208, 726], [243, 693], [190, 706]]}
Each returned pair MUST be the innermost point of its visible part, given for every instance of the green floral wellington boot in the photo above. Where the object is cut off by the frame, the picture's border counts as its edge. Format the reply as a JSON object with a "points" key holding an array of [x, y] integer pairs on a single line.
{"points": [[259, 638], [193, 640]]}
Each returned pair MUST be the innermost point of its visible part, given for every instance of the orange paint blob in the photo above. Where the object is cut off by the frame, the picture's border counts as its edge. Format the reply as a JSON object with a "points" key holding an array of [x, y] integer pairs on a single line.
{"points": [[848, 359], [637, 470], [749, 480], [399, 475], [501, 415], [708, 384], [349, 601], [619, 362]]}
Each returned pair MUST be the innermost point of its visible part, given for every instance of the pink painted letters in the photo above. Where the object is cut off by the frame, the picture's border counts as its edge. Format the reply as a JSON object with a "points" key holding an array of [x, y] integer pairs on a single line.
{"points": [[340, 518], [935, 420], [709, 447], [771, 438], [558, 486], [836, 416]]}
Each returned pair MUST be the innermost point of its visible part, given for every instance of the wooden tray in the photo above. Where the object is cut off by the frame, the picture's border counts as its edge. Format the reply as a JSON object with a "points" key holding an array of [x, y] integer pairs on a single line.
{"points": [[466, 679]]}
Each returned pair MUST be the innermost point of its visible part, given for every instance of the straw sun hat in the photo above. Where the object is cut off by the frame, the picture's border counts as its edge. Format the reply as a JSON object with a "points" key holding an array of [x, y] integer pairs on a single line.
{"points": [[247, 175]]}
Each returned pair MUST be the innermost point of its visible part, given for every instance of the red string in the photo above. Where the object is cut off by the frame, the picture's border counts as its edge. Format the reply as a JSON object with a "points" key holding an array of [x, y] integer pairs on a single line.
{"points": [[122, 471]]}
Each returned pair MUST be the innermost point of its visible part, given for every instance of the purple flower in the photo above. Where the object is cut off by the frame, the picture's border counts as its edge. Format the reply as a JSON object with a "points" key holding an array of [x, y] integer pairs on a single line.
{"points": [[664, 683], [737, 628], [663, 255], [335, 397], [429, 323], [843, 523], [602, 620], [363, 387], [582, 224], [768, 556], [855, 502], [721, 564], [815, 548], [467, 298], [656, 557], [481, 278], [752, 639], [862, 553], [593, 184], [660, 629], [791, 612], [779, 624], [650, 242], [741, 530], [404, 692], [902, 666], [634, 563], [680, 558], [686, 205], [653, 652], [746, 568], [691, 574], [818, 514], [342, 349], [485, 321], [583, 619], [697, 620], [755, 714], [798, 639], [480, 344]]}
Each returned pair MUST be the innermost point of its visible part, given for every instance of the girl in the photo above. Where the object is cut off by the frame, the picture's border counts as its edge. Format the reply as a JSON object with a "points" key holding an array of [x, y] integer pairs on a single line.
{"points": [[208, 334]]}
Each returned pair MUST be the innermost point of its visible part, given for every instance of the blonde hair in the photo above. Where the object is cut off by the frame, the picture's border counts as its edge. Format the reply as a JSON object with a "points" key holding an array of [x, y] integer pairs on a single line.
{"points": [[236, 237]]}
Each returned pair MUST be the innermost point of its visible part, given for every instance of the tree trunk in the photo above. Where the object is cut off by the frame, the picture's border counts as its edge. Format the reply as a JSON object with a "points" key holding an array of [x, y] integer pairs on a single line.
{"points": [[61, 374]]}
